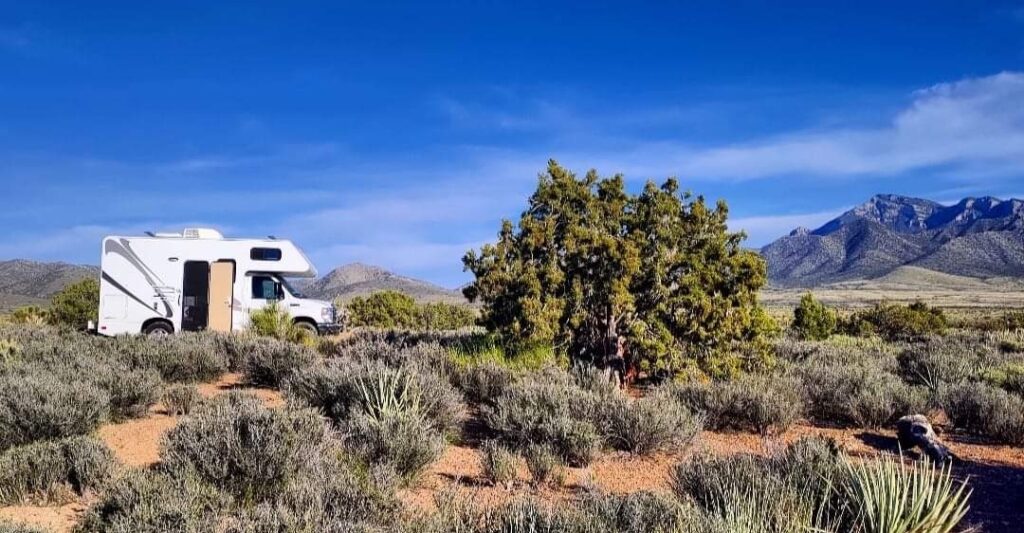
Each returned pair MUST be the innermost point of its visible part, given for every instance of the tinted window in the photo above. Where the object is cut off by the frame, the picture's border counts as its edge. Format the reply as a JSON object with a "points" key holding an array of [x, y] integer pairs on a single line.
{"points": [[265, 254], [264, 288]]}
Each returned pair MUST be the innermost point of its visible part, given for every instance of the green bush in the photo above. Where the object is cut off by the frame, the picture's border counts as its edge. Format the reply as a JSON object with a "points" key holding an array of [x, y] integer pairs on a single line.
{"points": [[76, 304], [276, 322], [898, 322], [38, 406], [1008, 376], [763, 404], [271, 362], [30, 314], [153, 501], [812, 320], [181, 399], [236, 444], [394, 310], [498, 464], [402, 440], [984, 410], [42, 470]]}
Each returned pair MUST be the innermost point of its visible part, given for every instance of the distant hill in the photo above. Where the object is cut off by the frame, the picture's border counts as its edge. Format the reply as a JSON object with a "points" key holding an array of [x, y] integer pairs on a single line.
{"points": [[975, 238], [356, 279], [24, 282]]}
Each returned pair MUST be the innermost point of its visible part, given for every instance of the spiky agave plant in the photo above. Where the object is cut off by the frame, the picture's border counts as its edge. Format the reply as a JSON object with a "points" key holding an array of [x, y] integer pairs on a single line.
{"points": [[388, 392], [892, 497]]}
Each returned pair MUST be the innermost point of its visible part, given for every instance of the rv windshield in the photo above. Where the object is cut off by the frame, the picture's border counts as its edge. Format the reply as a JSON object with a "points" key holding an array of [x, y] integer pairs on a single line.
{"points": [[291, 290]]}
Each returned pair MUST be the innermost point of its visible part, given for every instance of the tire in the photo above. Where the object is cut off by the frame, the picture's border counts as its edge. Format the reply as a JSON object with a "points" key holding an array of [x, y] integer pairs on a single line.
{"points": [[308, 326], [158, 328]]}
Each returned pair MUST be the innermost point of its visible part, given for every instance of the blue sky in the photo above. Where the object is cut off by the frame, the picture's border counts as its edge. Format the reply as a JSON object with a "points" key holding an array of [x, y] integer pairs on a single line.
{"points": [[400, 134]]}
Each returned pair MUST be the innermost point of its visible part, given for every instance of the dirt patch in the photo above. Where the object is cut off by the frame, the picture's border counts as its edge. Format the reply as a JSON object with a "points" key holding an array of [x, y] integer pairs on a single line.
{"points": [[135, 443]]}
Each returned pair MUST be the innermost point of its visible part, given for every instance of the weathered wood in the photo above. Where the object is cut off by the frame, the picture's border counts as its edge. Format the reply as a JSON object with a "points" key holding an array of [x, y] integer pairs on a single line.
{"points": [[915, 431]]}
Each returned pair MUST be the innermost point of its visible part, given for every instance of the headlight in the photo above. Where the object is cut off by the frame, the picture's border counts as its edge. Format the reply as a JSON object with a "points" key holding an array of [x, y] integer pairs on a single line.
{"points": [[327, 313]]}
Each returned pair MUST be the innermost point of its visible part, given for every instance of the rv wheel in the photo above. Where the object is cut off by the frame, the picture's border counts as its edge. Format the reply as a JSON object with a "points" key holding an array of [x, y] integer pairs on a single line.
{"points": [[158, 328], [308, 326]]}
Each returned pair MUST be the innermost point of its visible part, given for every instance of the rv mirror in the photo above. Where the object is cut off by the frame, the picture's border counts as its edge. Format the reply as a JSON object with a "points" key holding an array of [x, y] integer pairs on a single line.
{"points": [[278, 290]]}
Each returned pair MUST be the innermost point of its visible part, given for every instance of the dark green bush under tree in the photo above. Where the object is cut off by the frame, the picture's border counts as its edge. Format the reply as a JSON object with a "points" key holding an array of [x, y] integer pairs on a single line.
{"points": [[812, 320], [76, 304], [395, 310]]}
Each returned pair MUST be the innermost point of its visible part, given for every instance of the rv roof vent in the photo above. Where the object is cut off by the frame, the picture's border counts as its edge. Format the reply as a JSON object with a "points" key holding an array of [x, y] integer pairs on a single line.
{"points": [[201, 233]]}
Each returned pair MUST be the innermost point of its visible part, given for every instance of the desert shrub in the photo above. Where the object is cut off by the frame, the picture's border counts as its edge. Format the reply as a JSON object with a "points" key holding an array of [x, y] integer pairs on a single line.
{"points": [[401, 439], [275, 321], [656, 422], [498, 464], [444, 316], [131, 392], [183, 358], [153, 501], [555, 414], [984, 410], [335, 387], [483, 383], [37, 406], [12, 527], [9, 351], [236, 444], [43, 469], [940, 360], [896, 322], [270, 362], [887, 495], [1008, 376], [181, 399], [812, 320], [793, 490], [764, 404], [544, 465], [637, 512], [76, 304], [383, 309], [30, 314], [861, 394]]}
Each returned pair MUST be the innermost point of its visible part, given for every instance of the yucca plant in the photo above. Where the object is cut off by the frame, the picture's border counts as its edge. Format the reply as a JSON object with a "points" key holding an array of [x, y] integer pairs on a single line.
{"points": [[389, 391], [895, 498]]}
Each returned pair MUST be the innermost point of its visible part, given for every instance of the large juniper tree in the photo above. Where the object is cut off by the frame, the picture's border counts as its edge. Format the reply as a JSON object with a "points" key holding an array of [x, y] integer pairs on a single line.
{"points": [[590, 264]]}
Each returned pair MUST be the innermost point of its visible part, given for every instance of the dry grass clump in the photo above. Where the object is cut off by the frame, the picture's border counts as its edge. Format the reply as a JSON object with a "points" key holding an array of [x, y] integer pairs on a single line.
{"points": [[546, 468], [498, 464]]}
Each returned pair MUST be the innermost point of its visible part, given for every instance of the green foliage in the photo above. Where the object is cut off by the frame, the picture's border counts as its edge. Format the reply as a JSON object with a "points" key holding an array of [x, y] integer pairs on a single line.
{"points": [[9, 351], [395, 310], [898, 322], [29, 314], [76, 304], [589, 261], [43, 469], [1009, 377], [275, 321], [812, 320], [890, 497]]}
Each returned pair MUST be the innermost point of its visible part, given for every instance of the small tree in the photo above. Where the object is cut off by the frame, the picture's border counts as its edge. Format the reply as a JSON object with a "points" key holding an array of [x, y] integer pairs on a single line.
{"points": [[603, 274], [76, 304], [812, 320], [275, 321]]}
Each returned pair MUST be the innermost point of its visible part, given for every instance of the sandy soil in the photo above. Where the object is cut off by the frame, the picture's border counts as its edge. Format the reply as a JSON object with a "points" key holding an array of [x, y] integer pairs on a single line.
{"points": [[136, 443], [996, 472]]}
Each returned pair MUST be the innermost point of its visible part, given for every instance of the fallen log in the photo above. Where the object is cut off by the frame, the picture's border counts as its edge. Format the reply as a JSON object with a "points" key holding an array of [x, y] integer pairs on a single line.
{"points": [[915, 431]]}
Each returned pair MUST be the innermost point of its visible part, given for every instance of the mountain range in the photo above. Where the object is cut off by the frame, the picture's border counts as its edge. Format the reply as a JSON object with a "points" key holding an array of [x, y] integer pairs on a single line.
{"points": [[976, 238], [24, 282]]}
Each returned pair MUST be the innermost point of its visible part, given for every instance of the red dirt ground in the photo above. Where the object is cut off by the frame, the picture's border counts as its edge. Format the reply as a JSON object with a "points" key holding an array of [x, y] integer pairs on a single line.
{"points": [[996, 472]]}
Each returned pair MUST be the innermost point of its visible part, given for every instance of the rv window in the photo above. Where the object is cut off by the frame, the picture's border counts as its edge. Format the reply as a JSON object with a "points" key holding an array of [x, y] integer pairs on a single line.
{"points": [[265, 288], [265, 254]]}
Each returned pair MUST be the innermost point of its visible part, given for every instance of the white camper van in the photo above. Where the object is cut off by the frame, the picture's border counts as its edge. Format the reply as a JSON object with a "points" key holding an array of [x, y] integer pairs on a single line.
{"points": [[198, 280]]}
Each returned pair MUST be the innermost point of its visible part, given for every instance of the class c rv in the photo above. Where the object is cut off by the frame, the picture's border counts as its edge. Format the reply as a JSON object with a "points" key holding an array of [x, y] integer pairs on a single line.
{"points": [[198, 280]]}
